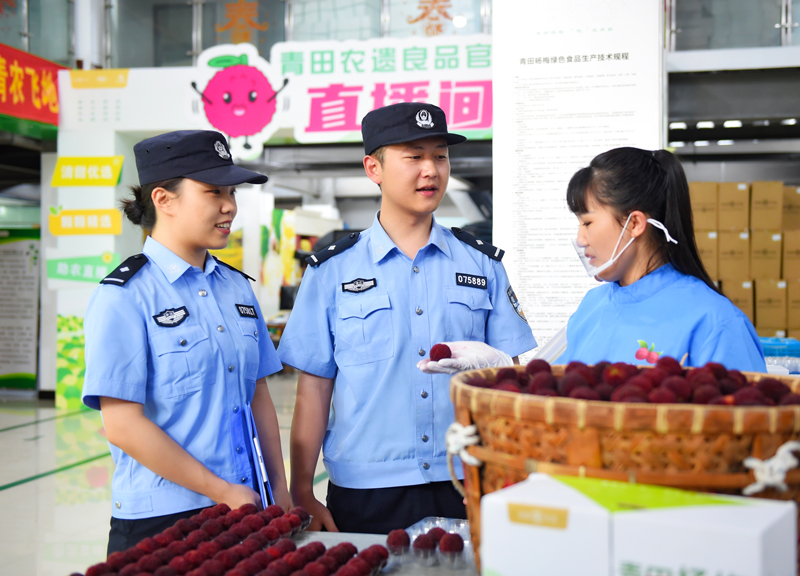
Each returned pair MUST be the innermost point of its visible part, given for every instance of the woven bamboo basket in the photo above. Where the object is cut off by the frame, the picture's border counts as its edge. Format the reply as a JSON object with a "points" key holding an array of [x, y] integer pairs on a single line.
{"points": [[689, 446]]}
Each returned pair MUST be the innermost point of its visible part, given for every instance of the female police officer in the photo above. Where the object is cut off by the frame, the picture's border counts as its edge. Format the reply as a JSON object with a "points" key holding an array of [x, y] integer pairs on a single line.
{"points": [[177, 348]]}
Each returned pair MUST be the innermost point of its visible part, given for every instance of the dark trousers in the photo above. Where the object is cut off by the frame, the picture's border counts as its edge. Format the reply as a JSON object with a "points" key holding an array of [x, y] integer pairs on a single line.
{"points": [[125, 534], [381, 510]]}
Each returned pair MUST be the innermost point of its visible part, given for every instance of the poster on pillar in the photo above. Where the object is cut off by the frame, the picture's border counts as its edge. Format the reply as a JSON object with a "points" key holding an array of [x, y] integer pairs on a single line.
{"points": [[239, 93], [573, 79], [334, 84]]}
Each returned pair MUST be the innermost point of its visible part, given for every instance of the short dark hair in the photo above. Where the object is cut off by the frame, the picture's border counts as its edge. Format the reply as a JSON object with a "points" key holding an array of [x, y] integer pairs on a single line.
{"points": [[628, 179], [140, 210], [379, 154]]}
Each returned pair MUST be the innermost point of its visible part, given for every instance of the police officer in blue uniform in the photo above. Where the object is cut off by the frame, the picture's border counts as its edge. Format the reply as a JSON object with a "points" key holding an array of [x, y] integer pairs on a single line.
{"points": [[368, 309], [177, 349], [636, 234]]}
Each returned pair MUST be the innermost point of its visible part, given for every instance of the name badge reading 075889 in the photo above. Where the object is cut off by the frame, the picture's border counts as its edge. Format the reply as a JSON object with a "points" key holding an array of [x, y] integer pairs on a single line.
{"points": [[359, 285], [171, 317], [471, 280], [246, 311]]}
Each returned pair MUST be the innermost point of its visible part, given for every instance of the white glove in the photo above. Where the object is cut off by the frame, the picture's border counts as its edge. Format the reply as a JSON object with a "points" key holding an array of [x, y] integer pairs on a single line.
{"points": [[466, 356]]}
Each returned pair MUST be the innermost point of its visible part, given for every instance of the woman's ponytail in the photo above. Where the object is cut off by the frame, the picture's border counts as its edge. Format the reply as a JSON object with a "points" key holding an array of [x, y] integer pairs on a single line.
{"points": [[140, 210]]}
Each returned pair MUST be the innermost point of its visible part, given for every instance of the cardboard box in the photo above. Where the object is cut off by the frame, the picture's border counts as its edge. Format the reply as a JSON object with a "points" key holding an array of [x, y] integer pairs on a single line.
{"points": [[742, 296], [793, 305], [766, 206], [704, 205], [791, 207], [708, 249], [771, 304], [734, 255], [791, 255], [566, 526], [766, 254], [733, 206]]}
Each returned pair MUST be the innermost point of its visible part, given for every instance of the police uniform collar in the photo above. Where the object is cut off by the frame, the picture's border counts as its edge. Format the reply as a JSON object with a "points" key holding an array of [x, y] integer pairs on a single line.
{"points": [[172, 265], [382, 245], [644, 287]]}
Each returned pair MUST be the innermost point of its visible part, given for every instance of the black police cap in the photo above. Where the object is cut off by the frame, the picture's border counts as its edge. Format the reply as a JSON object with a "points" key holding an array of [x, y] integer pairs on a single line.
{"points": [[404, 122], [201, 155]]}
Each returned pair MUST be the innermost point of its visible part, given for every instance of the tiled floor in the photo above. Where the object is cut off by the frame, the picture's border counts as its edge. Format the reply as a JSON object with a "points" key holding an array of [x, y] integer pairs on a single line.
{"points": [[55, 496]]}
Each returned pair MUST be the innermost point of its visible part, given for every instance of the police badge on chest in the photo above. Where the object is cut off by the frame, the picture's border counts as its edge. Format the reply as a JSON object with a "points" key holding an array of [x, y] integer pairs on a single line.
{"points": [[359, 285]]}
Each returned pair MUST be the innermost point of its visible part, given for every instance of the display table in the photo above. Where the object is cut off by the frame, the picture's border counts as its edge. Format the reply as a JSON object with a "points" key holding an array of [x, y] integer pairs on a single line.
{"points": [[362, 541]]}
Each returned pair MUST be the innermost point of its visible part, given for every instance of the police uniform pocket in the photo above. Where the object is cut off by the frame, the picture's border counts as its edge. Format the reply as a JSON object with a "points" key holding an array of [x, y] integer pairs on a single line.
{"points": [[179, 356], [364, 331], [251, 355], [467, 310]]}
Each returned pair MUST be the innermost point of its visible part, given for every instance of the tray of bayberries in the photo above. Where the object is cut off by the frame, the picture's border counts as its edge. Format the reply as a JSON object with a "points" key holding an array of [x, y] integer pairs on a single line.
{"points": [[243, 542], [433, 541], [667, 382]]}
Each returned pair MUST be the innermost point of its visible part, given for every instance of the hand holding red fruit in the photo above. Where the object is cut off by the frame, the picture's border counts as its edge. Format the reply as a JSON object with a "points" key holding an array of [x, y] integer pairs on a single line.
{"points": [[321, 516], [464, 356]]}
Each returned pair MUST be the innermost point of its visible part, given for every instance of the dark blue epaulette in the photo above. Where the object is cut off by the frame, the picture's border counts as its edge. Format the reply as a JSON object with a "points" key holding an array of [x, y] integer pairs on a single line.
{"points": [[234, 269], [492, 252], [333, 249], [125, 271]]}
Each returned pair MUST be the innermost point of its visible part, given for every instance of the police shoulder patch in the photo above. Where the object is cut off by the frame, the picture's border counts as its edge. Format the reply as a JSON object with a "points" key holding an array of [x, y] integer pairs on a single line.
{"points": [[125, 271], [334, 249], [491, 251], [234, 269]]}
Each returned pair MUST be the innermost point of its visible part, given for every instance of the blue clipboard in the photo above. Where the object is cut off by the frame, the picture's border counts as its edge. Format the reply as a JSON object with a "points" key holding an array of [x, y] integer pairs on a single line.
{"points": [[262, 479]]}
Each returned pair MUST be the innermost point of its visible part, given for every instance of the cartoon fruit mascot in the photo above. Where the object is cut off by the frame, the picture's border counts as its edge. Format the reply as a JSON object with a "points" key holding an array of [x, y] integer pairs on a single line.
{"points": [[238, 100]]}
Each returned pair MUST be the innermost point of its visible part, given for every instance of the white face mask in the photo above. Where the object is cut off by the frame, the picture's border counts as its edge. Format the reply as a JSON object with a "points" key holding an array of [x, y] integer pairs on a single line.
{"points": [[594, 271]]}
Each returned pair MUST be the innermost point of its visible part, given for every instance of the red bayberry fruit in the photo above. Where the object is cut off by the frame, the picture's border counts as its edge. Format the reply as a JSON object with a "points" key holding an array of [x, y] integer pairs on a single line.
{"points": [[254, 522], [738, 376], [584, 393], [251, 546], [164, 539], [542, 380], [180, 565], [330, 562], [655, 375], [537, 365], [212, 527], [248, 509], [616, 374], [98, 569], [679, 386], [280, 567], [569, 381], [362, 566], [209, 549], [316, 569], [148, 563], [179, 548], [717, 369], [598, 370], [773, 388], [222, 508], [228, 521], [451, 543], [274, 552], [228, 558], [128, 570], [302, 513], [436, 533], [237, 514], [505, 374], [424, 542], [236, 571], [194, 538], [626, 390], [574, 365], [604, 390], [169, 571], [700, 377], [745, 396], [507, 386], [348, 571], [249, 566], [275, 510], [213, 567], [258, 537], [286, 545], [705, 393], [295, 560], [644, 384], [293, 519], [194, 557], [670, 366], [282, 524], [209, 513], [149, 545], [116, 560], [226, 540], [240, 530], [662, 396], [271, 533], [787, 400], [440, 351], [729, 385], [398, 539]]}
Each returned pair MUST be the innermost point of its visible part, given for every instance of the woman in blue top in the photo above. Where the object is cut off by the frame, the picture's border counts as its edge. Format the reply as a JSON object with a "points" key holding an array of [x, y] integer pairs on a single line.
{"points": [[636, 234], [177, 351]]}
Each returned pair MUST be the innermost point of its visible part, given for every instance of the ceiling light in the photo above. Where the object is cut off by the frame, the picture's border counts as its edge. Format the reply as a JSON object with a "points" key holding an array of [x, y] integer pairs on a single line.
{"points": [[677, 125], [702, 143], [732, 124], [705, 124]]}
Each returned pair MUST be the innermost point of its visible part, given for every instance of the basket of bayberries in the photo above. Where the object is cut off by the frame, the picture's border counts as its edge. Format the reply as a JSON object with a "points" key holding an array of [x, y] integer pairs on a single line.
{"points": [[662, 424]]}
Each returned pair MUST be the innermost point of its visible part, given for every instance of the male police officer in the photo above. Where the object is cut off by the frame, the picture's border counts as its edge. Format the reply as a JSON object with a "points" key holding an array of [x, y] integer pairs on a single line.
{"points": [[369, 307]]}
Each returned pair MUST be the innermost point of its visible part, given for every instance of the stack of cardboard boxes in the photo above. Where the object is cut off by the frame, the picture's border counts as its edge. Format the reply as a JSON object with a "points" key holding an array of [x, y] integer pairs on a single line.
{"points": [[748, 236]]}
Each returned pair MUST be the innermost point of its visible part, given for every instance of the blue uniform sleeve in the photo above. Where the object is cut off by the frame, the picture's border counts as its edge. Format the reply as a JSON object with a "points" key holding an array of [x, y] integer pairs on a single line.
{"points": [[307, 340], [268, 361], [506, 326], [734, 344], [116, 348]]}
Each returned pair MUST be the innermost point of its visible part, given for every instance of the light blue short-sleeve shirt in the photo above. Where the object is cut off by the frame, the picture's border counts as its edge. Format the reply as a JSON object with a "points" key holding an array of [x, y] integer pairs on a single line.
{"points": [[365, 317], [669, 313], [189, 345]]}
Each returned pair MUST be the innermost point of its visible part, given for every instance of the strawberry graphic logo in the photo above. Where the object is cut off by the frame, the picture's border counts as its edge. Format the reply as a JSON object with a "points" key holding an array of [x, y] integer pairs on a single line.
{"points": [[646, 352]]}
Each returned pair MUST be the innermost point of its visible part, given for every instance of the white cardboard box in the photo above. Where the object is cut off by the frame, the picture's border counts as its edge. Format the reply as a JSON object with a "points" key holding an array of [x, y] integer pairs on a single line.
{"points": [[554, 526]]}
